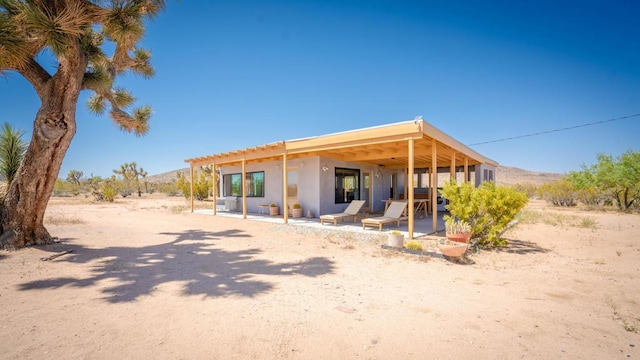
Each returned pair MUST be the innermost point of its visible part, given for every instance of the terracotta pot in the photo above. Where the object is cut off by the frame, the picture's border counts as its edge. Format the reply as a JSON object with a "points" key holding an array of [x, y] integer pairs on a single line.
{"points": [[273, 210], [296, 213], [454, 250], [395, 240], [461, 238]]}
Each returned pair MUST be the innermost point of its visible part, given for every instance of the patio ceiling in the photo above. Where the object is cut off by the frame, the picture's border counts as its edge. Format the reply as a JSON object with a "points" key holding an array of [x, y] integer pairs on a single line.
{"points": [[385, 146]]}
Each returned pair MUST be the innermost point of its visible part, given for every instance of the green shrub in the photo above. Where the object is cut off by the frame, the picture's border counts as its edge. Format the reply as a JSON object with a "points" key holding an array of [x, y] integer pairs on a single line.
{"points": [[168, 188], [414, 245], [528, 189], [618, 178], [488, 209], [200, 187], [63, 188], [110, 189], [590, 196], [559, 193]]}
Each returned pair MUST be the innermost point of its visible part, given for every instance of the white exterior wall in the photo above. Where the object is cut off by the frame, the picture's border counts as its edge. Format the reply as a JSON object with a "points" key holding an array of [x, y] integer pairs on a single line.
{"points": [[316, 187], [308, 184], [326, 193], [480, 173], [272, 185]]}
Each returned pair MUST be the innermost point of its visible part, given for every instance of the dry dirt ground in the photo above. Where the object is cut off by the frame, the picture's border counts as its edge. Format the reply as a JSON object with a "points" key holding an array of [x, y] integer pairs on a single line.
{"points": [[146, 280]]}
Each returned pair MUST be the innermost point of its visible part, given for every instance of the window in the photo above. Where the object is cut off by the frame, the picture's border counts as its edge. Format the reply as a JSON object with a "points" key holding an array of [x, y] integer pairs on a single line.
{"points": [[347, 185], [488, 175], [254, 184], [421, 178]]}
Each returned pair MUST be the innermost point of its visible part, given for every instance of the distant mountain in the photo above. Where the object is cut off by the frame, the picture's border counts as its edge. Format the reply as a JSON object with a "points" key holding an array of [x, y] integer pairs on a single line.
{"points": [[166, 177], [506, 175]]}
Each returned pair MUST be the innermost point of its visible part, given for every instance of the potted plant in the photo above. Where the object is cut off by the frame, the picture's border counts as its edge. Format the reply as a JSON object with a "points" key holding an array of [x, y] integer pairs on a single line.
{"points": [[457, 230], [458, 235], [395, 239], [273, 209], [452, 249], [296, 210]]}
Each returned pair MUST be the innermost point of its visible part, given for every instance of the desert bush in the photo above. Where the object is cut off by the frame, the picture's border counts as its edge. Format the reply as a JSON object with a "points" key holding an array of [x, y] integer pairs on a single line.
{"points": [[200, 186], [559, 193], [110, 189], [124, 188], [618, 178], [168, 188], [488, 209], [529, 189], [64, 188], [414, 245], [590, 196]]}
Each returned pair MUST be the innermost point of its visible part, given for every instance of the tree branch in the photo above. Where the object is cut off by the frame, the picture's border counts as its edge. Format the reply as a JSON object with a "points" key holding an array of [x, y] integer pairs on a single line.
{"points": [[36, 75]]}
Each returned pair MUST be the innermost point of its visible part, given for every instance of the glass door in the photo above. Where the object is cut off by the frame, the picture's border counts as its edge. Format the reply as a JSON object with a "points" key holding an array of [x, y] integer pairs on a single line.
{"points": [[366, 190]]}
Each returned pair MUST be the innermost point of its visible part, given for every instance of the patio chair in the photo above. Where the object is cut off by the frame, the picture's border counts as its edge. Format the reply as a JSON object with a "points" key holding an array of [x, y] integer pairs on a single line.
{"points": [[394, 213], [351, 211]]}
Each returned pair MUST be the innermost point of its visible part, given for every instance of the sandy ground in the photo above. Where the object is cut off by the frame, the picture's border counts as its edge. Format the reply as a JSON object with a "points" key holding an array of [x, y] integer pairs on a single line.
{"points": [[145, 280]]}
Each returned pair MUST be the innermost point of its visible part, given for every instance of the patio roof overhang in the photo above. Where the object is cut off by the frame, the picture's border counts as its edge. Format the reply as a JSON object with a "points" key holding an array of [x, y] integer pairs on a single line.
{"points": [[383, 146]]}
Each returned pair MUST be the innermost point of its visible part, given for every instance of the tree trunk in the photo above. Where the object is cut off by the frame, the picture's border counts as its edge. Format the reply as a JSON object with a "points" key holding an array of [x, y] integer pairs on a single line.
{"points": [[22, 214]]}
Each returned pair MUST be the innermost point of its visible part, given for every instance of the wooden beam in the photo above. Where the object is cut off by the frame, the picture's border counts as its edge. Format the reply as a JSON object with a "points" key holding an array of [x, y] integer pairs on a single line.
{"points": [[385, 153], [214, 188], [244, 189], [375, 135], [466, 169], [237, 156], [191, 184], [452, 168], [347, 143], [411, 185], [434, 185], [285, 192]]}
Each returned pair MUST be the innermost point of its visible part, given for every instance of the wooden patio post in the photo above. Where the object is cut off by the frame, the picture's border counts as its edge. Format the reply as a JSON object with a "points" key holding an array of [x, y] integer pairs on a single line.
{"points": [[466, 169], [214, 190], [191, 184], [244, 189], [452, 169], [285, 192], [410, 185], [434, 184]]}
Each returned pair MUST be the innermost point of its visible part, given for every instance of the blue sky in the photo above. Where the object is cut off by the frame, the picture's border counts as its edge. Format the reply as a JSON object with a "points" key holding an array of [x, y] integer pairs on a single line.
{"points": [[235, 74]]}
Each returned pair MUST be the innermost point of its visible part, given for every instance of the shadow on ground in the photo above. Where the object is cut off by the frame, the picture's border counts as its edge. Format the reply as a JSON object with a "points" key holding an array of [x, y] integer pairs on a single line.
{"points": [[191, 259], [523, 247]]}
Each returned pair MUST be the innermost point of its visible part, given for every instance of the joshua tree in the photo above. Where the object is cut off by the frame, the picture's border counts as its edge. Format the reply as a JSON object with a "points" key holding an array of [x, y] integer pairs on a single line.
{"points": [[12, 150], [131, 175], [74, 33], [74, 177]]}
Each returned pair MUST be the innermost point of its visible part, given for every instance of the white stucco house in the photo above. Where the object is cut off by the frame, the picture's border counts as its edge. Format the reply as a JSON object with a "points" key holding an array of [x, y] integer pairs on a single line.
{"points": [[324, 173]]}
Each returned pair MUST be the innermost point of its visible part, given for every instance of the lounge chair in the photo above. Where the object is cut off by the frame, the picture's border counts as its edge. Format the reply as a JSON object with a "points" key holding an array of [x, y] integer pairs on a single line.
{"points": [[351, 211], [394, 213]]}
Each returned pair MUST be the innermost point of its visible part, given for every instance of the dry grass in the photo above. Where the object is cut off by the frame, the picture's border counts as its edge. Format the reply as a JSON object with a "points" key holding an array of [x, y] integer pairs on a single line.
{"points": [[557, 219], [197, 205], [62, 219]]}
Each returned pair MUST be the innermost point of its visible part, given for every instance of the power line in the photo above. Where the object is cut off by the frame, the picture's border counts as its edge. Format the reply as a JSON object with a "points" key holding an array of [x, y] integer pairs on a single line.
{"points": [[555, 130]]}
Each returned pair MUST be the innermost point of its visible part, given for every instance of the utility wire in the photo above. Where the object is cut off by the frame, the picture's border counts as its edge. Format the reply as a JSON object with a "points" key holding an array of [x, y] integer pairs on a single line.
{"points": [[555, 130]]}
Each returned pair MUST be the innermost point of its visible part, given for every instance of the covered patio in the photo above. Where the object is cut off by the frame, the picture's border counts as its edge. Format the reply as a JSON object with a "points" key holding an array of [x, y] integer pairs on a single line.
{"points": [[401, 147], [423, 226]]}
